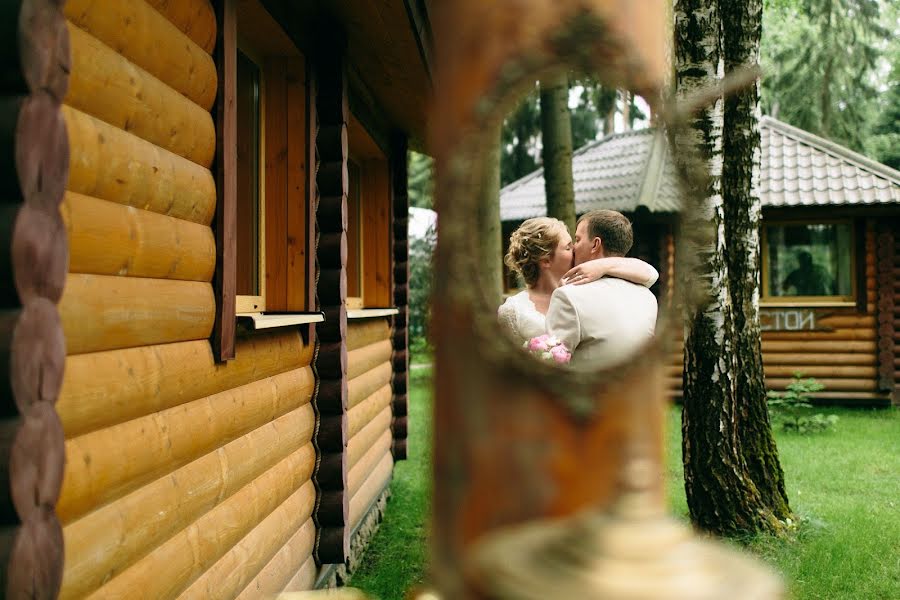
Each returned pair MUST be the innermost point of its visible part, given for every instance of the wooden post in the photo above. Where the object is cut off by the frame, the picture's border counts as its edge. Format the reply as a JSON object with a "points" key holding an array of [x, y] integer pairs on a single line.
{"points": [[332, 180], [226, 180], [34, 166], [886, 306], [400, 254]]}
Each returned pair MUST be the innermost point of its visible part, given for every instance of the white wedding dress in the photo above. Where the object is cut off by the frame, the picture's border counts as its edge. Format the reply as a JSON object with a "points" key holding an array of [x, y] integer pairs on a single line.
{"points": [[519, 316]]}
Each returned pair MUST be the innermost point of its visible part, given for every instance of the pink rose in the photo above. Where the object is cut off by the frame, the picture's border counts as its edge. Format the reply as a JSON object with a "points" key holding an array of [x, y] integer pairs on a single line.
{"points": [[539, 343], [560, 354]]}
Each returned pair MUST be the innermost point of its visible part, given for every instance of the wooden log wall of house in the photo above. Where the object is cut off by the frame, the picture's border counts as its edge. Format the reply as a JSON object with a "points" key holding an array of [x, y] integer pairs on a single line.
{"points": [[400, 333], [842, 352], [888, 269], [34, 78], [185, 475]]}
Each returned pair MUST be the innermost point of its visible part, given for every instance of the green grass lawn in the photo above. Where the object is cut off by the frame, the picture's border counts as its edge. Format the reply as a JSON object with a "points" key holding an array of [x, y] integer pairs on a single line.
{"points": [[844, 485]]}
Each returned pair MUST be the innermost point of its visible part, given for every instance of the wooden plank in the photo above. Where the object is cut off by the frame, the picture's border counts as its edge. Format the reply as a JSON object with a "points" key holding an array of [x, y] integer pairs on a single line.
{"points": [[366, 384], [833, 371], [108, 86], [814, 346], [35, 44], [772, 358], [363, 440], [33, 254], [363, 333], [283, 569], [276, 165], [101, 312], [360, 415], [373, 486], [364, 359], [145, 37], [305, 579], [107, 464], [106, 238], [296, 273], [367, 463], [226, 181], [831, 384], [376, 235]]}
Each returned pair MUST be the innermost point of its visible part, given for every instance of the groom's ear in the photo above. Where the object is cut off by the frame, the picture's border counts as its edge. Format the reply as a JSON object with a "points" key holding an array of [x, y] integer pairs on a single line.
{"points": [[596, 245]]}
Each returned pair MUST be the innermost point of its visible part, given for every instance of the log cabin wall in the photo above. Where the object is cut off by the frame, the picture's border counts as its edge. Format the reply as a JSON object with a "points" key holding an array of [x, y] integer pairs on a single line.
{"points": [[888, 269], [400, 334], [185, 476], [33, 80], [842, 353]]}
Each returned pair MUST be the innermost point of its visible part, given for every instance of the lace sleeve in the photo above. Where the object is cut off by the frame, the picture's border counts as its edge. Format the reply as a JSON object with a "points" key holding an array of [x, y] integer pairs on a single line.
{"points": [[508, 320]]}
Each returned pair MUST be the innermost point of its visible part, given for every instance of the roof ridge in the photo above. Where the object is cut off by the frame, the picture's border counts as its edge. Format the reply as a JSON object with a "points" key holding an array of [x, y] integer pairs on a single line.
{"points": [[833, 148]]}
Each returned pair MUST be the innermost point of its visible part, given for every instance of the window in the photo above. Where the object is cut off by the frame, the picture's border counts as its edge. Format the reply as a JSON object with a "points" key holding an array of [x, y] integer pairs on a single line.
{"points": [[368, 222], [250, 212], [809, 262]]}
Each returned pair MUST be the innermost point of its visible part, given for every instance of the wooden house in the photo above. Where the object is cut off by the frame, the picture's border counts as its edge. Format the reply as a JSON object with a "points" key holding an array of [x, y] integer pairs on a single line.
{"points": [[205, 289], [830, 249]]}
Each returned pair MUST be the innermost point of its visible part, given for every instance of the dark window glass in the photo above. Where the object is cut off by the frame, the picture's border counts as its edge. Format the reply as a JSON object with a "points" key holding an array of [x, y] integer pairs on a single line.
{"points": [[810, 260], [248, 198]]}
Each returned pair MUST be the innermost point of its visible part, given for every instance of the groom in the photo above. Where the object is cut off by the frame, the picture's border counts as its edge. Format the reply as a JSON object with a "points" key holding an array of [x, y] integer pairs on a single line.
{"points": [[606, 321]]}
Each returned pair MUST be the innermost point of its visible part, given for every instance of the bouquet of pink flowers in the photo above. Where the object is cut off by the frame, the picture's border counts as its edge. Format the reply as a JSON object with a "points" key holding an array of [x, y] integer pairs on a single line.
{"points": [[547, 347]]}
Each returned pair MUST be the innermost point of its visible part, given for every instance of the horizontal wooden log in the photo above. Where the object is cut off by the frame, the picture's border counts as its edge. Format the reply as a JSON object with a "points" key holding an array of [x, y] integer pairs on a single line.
{"points": [[401, 273], [400, 339], [36, 157], [332, 471], [333, 546], [801, 346], [32, 357], [331, 362], [293, 560], [373, 456], [103, 543], [101, 312], [331, 215], [779, 358], [875, 397], [109, 463], [334, 328], [141, 381], [831, 385], [399, 427], [195, 18], [332, 286], [847, 321], [332, 142], [332, 508], [33, 255], [106, 238], [401, 296], [360, 415], [400, 361], [366, 437], [332, 178], [240, 566], [108, 86], [332, 251], [400, 382], [398, 450], [363, 386], [332, 433], [145, 37], [400, 405], [401, 250], [832, 370], [373, 486], [332, 396], [35, 46], [304, 579], [366, 332], [836, 335], [32, 556], [114, 165], [365, 359], [172, 567]]}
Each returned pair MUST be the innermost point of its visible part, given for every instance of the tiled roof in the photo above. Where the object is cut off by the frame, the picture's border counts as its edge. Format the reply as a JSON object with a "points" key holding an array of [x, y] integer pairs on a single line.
{"points": [[632, 169]]}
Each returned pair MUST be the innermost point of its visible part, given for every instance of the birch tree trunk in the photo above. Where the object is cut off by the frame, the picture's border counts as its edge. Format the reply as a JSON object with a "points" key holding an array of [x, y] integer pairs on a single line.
{"points": [[742, 26], [722, 496], [489, 221], [556, 151]]}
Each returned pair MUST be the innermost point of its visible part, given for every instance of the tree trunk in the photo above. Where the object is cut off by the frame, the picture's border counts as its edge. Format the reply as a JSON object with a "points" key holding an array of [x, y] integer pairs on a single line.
{"points": [[556, 151], [489, 221], [721, 494], [742, 21], [626, 109]]}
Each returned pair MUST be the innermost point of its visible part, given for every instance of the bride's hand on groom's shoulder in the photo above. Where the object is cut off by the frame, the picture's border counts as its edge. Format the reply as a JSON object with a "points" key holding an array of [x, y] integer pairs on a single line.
{"points": [[587, 272]]}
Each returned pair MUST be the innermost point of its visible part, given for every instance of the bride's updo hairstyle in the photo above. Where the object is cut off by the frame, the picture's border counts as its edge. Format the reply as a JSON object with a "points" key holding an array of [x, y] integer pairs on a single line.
{"points": [[534, 240]]}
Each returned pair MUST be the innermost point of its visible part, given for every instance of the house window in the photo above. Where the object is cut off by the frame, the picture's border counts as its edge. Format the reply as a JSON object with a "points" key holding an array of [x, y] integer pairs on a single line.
{"points": [[250, 211], [809, 262], [368, 221]]}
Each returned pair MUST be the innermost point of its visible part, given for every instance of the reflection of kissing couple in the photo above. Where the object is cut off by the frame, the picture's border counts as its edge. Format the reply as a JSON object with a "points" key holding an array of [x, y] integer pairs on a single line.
{"points": [[586, 294]]}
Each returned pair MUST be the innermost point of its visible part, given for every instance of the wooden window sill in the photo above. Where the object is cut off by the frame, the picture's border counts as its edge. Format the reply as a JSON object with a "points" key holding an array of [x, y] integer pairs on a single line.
{"points": [[368, 313], [258, 321]]}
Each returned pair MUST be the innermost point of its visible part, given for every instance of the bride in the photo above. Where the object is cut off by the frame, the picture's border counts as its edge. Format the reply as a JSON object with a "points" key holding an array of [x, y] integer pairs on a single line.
{"points": [[540, 251]]}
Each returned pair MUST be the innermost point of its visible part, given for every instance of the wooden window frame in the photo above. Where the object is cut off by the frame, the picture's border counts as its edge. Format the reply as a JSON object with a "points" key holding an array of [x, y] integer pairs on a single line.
{"points": [[767, 300], [299, 238]]}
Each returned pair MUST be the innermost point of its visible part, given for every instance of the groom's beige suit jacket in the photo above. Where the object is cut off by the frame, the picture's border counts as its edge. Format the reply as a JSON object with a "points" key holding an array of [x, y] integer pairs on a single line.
{"points": [[603, 323]]}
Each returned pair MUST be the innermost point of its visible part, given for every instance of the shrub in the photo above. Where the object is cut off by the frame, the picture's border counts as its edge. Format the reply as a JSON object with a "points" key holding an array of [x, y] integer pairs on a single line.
{"points": [[791, 407]]}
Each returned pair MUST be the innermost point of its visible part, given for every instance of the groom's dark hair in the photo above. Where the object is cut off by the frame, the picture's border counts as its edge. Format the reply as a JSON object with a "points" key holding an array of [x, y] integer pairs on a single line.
{"points": [[612, 227]]}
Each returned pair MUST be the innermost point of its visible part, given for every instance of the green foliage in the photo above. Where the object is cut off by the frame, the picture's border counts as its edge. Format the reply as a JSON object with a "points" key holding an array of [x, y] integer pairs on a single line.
{"points": [[791, 408], [421, 275], [825, 63], [420, 179]]}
